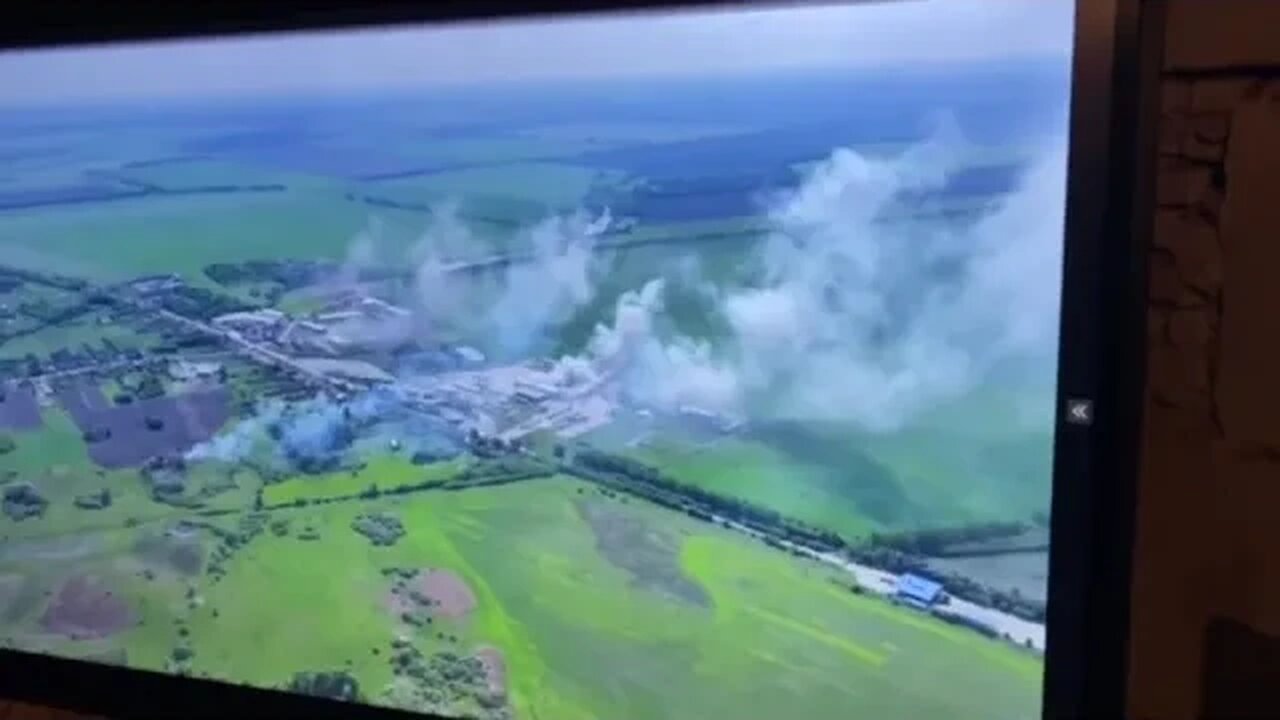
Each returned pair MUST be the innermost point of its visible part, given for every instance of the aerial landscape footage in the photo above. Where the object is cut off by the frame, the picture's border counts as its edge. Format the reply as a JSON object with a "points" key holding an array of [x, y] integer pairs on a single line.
{"points": [[607, 368]]}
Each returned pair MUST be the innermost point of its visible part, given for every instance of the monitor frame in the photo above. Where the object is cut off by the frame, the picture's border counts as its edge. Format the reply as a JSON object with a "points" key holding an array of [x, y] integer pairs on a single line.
{"points": [[1102, 340]]}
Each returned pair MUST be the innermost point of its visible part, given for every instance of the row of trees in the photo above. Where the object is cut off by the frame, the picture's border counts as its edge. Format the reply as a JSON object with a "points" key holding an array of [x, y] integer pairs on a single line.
{"points": [[960, 586], [936, 541], [201, 303], [481, 474], [898, 553], [648, 482], [289, 274], [62, 282]]}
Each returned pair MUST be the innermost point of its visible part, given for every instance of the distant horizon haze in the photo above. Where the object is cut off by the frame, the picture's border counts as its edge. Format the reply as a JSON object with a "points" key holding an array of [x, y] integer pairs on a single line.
{"points": [[633, 45]]}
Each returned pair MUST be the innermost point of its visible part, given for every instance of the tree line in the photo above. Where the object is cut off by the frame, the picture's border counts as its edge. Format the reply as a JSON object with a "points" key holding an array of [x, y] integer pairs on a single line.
{"points": [[955, 584], [648, 482], [895, 553], [937, 541]]}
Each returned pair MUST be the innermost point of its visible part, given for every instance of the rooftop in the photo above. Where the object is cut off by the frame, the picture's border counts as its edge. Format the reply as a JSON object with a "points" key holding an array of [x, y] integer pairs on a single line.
{"points": [[918, 589]]}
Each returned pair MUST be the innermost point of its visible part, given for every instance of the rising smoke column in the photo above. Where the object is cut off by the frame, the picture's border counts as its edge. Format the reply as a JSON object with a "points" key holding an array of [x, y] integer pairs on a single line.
{"points": [[857, 320], [671, 373], [561, 278], [558, 275]]}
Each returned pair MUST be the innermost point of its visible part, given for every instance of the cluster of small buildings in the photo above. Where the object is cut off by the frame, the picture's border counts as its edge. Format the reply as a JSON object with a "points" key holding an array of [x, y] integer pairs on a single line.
{"points": [[512, 401], [194, 371], [332, 332]]}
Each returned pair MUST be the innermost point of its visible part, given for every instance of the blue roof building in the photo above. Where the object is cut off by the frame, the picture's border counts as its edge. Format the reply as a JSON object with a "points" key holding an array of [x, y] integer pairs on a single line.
{"points": [[918, 592]]}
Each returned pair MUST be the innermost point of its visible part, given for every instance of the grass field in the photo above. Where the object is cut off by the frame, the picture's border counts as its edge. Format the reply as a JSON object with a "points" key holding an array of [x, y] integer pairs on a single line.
{"points": [[765, 634], [938, 471], [55, 459], [386, 472], [556, 186], [113, 241], [72, 334], [766, 476]]}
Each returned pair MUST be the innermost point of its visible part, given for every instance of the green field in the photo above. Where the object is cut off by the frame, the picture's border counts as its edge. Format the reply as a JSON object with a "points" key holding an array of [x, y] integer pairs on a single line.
{"points": [[55, 459], [71, 335], [119, 240], [385, 472], [935, 472], [714, 625], [539, 185]]}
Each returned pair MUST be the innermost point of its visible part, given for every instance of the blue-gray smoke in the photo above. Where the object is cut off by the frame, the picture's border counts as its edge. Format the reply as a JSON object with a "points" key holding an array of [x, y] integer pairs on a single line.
{"points": [[316, 435]]}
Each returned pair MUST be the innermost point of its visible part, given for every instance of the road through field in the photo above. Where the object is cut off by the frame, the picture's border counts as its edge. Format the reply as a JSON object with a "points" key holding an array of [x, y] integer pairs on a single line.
{"points": [[881, 582]]}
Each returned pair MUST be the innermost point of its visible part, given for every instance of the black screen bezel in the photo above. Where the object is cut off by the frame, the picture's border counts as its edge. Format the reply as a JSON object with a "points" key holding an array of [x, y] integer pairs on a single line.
{"points": [[1111, 162]]}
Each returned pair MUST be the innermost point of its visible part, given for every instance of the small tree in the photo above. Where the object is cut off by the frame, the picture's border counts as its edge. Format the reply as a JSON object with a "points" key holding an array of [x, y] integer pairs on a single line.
{"points": [[7, 445]]}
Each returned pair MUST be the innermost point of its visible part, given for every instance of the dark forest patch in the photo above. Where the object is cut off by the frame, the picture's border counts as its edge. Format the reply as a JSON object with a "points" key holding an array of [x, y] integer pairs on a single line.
{"points": [[648, 554], [22, 500], [381, 529]]}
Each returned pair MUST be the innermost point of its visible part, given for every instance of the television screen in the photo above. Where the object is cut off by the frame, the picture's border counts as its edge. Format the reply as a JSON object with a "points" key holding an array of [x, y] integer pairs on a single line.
{"points": [[675, 365]]}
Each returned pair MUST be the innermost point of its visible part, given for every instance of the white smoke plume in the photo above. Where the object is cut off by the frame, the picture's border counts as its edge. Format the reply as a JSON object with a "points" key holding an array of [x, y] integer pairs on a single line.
{"points": [[539, 294], [859, 320], [362, 254], [438, 294], [675, 373], [240, 441], [312, 432], [560, 276]]}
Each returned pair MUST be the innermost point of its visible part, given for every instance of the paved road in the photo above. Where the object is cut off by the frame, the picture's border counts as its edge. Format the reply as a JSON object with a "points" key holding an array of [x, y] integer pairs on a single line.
{"points": [[881, 582]]}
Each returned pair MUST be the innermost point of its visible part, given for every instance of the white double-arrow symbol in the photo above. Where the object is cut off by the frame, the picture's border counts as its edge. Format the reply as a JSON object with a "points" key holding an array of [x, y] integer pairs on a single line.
{"points": [[1079, 412]]}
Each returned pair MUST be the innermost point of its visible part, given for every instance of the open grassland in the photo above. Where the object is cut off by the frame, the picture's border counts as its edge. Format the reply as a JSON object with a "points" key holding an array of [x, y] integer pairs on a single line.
{"points": [[383, 472], [543, 185], [72, 335], [763, 475], [206, 173], [55, 459], [601, 608], [622, 133], [421, 150], [941, 470], [119, 240]]}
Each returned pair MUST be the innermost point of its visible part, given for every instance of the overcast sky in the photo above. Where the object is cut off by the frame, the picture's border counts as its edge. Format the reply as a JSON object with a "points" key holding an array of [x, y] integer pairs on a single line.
{"points": [[895, 33]]}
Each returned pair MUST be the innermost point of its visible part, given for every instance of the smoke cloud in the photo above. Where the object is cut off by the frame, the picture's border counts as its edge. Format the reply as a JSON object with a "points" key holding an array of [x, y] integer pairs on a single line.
{"points": [[860, 320], [315, 434], [560, 280], [242, 439], [851, 318], [559, 277]]}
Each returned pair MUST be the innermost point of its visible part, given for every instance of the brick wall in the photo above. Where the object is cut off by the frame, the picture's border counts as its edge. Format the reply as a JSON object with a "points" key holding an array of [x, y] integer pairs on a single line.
{"points": [[1208, 533]]}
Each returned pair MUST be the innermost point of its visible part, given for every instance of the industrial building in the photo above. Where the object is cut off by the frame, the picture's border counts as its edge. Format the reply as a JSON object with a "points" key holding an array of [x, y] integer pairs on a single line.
{"points": [[918, 592]]}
